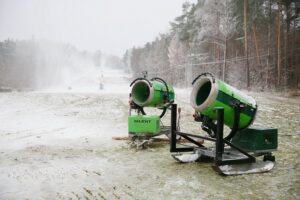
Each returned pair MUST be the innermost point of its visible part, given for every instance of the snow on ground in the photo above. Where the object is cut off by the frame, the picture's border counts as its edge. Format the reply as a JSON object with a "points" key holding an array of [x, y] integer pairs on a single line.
{"points": [[57, 144]]}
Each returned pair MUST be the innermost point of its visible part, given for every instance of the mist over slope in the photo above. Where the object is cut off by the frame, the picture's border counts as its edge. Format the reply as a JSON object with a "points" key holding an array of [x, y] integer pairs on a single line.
{"points": [[39, 64]]}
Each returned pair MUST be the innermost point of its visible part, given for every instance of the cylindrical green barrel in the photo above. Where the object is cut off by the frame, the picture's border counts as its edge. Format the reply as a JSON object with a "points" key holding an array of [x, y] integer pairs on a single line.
{"points": [[151, 93], [209, 93]]}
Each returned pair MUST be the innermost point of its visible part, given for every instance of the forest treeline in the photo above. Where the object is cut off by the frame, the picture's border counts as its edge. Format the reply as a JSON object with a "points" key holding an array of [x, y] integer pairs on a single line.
{"points": [[248, 43], [34, 64]]}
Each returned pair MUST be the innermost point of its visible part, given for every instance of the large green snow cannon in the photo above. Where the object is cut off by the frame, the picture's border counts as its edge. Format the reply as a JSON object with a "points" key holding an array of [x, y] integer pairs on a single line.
{"points": [[209, 93], [217, 104], [155, 93], [152, 93]]}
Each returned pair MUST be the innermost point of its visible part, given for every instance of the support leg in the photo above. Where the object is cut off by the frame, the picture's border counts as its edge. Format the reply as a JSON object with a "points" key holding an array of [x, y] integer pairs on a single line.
{"points": [[219, 136], [173, 127]]}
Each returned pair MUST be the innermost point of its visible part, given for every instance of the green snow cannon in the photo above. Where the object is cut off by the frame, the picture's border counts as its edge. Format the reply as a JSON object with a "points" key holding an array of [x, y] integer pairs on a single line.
{"points": [[217, 104], [208, 93], [153, 93]]}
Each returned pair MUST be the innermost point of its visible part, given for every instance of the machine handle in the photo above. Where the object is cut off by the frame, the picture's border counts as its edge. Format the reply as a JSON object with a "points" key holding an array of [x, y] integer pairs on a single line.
{"points": [[168, 94], [238, 107], [204, 74], [137, 79]]}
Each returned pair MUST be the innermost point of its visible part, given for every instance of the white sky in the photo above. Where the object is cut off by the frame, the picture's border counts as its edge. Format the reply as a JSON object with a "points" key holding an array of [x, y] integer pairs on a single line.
{"points": [[109, 25]]}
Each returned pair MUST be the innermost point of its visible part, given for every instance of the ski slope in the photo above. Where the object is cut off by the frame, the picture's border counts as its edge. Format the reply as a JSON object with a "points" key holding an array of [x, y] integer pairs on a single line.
{"points": [[57, 143]]}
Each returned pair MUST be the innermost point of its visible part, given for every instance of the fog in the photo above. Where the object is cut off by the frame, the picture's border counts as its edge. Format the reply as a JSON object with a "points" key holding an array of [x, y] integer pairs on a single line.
{"points": [[59, 44], [109, 25]]}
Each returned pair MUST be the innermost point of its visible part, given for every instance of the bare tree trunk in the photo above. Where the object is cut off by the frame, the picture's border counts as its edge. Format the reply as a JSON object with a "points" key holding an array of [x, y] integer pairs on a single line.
{"points": [[269, 41], [255, 42], [246, 43], [225, 48], [225, 57], [294, 56], [218, 48], [279, 43], [294, 43], [286, 56], [287, 63]]}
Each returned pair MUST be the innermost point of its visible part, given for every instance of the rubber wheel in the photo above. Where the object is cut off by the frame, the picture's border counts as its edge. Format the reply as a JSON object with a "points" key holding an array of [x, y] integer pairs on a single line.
{"points": [[269, 158]]}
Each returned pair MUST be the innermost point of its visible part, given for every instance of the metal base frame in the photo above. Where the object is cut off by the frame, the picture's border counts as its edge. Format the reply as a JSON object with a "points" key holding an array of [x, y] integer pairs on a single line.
{"points": [[220, 154]]}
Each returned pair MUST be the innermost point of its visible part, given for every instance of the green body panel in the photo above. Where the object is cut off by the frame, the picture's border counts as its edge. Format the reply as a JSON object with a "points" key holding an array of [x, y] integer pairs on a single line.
{"points": [[159, 92], [245, 120], [141, 124], [235, 93], [256, 139], [226, 96]]}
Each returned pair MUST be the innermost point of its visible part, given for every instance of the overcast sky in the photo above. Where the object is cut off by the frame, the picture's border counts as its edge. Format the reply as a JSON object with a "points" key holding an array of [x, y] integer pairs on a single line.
{"points": [[109, 25]]}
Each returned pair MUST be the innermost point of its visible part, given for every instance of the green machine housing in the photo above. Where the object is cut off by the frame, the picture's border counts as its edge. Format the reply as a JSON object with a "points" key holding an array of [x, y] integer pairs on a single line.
{"points": [[256, 139], [149, 93], [210, 93], [217, 104], [143, 125]]}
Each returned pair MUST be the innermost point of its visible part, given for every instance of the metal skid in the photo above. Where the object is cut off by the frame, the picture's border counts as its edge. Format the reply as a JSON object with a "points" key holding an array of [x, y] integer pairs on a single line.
{"points": [[228, 159]]}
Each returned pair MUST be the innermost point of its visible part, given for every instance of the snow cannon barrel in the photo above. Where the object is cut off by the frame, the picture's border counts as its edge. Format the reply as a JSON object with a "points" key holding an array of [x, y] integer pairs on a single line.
{"points": [[153, 93], [209, 93]]}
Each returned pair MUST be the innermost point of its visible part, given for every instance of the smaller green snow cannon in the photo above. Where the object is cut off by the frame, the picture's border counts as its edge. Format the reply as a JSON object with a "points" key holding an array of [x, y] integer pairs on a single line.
{"points": [[217, 104], [155, 93]]}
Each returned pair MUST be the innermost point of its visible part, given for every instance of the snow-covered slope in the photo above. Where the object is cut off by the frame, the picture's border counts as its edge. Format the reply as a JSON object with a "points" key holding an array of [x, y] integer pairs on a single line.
{"points": [[57, 144], [113, 80]]}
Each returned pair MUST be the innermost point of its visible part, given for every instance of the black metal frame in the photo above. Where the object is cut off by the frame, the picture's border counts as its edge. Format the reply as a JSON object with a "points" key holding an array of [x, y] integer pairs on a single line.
{"points": [[220, 142]]}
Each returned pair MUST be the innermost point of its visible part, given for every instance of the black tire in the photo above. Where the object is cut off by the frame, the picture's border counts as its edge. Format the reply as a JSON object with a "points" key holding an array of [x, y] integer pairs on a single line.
{"points": [[269, 158]]}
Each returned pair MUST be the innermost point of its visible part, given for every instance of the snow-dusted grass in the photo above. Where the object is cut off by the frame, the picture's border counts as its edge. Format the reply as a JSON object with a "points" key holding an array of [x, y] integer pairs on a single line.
{"points": [[57, 145]]}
